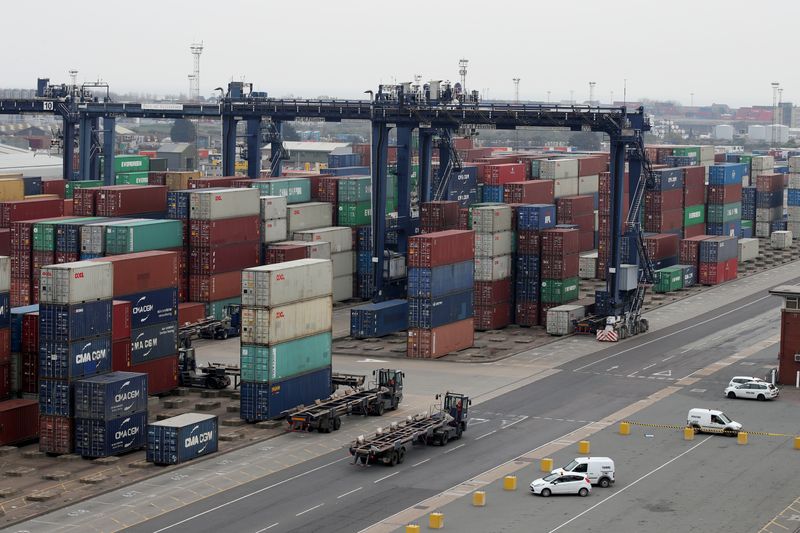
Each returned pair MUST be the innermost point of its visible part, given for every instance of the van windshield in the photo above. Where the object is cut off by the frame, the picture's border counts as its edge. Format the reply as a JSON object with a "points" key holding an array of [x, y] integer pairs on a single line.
{"points": [[570, 467], [725, 419]]}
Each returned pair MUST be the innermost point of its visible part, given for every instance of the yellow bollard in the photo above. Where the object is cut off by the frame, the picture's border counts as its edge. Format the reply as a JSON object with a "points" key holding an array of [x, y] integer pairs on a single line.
{"points": [[510, 483], [436, 521], [412, 528], [583, 447], [546, 465], [688, 433], [797, 443], [624, 428], [741, 437], [478, 498]]}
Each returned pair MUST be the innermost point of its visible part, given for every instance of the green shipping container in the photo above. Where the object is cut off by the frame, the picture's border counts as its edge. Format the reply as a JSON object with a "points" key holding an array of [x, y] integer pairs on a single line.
{"points": [[668, 279], [691, 151], [747, 224], [357, 189], [535, 166], [391, 205], [262, 364], [218, 309], [556, 291], [718, 214], [131, 178], [355, 213], [144, 235], [130, 163], [296, 190], [44, 233], [694, 215], [85, 184]]}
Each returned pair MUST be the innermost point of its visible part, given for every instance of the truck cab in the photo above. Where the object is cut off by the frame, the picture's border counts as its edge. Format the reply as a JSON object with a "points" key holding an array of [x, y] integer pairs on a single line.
{"points": [[457, 406], [390, 382]]}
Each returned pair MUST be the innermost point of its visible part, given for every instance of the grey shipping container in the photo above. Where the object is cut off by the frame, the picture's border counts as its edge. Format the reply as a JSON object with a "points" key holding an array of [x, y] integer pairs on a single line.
{"points": [[309, 215], [73, 283], [224, 203], [281, 283]]}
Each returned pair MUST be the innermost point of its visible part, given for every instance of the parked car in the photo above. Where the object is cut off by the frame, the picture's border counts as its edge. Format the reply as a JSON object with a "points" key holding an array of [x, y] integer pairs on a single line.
{"points": [[712, 421], [561, 484], [753, 390], [599, 470], [741, 380]]}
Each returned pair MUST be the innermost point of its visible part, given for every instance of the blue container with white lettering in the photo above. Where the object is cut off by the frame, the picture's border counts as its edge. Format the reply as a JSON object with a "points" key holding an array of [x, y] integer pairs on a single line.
{"points": [[154, 342], [106, 438], [152, 307], [727, 173], [5, 309], [112, 395], [440, 310], [55, 397], [263, 401], [72, 360], [71, 322], [378, 319], [689, 275], [536, 216], [666, 179], [437, 281], [182, 438]]}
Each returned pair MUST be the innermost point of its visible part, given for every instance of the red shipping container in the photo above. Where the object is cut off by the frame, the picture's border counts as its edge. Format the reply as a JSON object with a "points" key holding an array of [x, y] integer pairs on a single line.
{"points": [[560, 267], [695, 196], [120, 320], [663, 222], [526, 314], [769, 182], [586, 241], [162, 374], [584, 222], [156, 178], [663, 200], [30, 209], [790, 345], [731, 269], [438, 342], [121, 355], [496, 316], [604, 225], [227, 258], [529, 192], [604, 183], [55, 434], [191, 312], [5, 241], [213, 232], [491, 292], [529, 242], [498, 174], [441, 248], [724, 194], [208, 182], [19, 421], [30, 372], [20, 292], [694, 231], [41, 258], [143, 271], [661, 246], [121, 200], [439, 215], [69, 208], [67, 257], [216, 287], [694, 177], [328, 189], [30, 333], [280, 253], [720, 158], [58, 187], [5, 380], [560, 241], [711, 273], [84, 201], [593, 165], [570, 207]]}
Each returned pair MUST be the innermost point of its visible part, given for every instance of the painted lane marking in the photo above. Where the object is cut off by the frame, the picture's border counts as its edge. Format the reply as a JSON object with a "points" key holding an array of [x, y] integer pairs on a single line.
{"points": [[309, 509], [386, 477], [649, 366], [670, 357], [486, 434], [453, 449], [268, 527], [515, 422], [348, 493], [421, 462]]}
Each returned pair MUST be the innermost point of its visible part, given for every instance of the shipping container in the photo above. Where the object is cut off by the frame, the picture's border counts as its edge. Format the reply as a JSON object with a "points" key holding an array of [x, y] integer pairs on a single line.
{"points": [[191, 312], [219, 309], [182, 438], [309, 216], [143, 235], [56, 434], [106, 438], [559, 241], [273, 207], [13, 211], [727, 173], [432, 282], [286, 322], [120, 200], [438, 342], [718, 249], [379, 319], [143, 271], [262, 364], [264, 401], [62, 322], [668, 279], [214, 287], [224, 258], [556, 169], [55, 397], [274, 230], [153, 342], [441, 248], [74, 359], [486, 293], [77, 282], [494, 244], [340, 238], [492, 316], [152, 307], [560, 267], [661, 245], [224, 203], [354, 189], [19, 421], [489, 219], [536, 216], [211, 182], [217, 232], [561, 319], [559, 291], [492, 268], [296, 190], [441, 310], [273, 285], [528, 242]]}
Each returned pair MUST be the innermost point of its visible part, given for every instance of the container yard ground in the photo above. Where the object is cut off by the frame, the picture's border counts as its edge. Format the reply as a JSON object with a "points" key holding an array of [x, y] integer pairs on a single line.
{"points": [[571, 390]]}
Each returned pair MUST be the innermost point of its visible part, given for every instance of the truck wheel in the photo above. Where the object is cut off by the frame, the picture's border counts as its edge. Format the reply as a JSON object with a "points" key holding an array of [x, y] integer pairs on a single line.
{"points": [[604, 482], [401, 455], [395, 458], [337, 423], [445, 438], [379, 409]]}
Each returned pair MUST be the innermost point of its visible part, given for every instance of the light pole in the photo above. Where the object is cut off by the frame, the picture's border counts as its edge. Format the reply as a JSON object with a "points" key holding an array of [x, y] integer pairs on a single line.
{"points": [[516, 90], [548, 97], [591, 92]]}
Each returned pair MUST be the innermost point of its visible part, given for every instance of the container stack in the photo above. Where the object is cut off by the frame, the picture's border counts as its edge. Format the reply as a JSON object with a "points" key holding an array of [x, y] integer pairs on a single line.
{"points": [[286, 337], [274, 226], [531, 221], [748, 211], [495, 176], [74, 342], [694, 200], [689, 250], [769, 203], [25, 347], [342, 256], [563, 172], [364, 278], [793, 200], [604, 201], [355, 201], [760, 165], [6, 384], [663, 206], [433, 257], [110, 414], [494, 242], [578, 211], [724, 199], [718, 260], [182, 438], [559, 272], [178, 209], [225, 238], [662, 249], [375, 320], [440, 215]]}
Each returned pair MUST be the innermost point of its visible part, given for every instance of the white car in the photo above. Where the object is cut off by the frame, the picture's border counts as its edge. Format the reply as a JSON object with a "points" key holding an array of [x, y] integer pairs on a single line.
{"points": [[753, 390], [561, 484], [741, 380]]}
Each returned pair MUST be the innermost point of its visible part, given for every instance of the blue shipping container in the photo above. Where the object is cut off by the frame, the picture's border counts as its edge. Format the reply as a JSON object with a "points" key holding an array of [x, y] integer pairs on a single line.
{"points": [[664, 263], [68, 237], [32, 185], [727, 173], [718, 249], [110, 395], [5, 309], [16, 324], [55, 397], [364, 261], [376, 320], [462, 187], [182, 438], [492, 193], [263, 401], [666, 179], [793, 198], [536, 216], [441, 280], [527, 266], [106, 438], [526, 290], [349, 171], [769, 199], [728, 229], [747, 233], [154, 342], [71, 322], [689, 275], [74, 359], [178, 204], [439, 310], [152, 307]]}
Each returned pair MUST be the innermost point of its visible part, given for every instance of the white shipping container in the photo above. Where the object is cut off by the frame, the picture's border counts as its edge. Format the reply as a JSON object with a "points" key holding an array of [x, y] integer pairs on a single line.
{"points": [[560, 319], [5, 273], [794, 227], [341, 238], [273, 325], [794, 164], [492, 268], [706, 153], [344, 263], [316, 250], [780, 240], [309, 215], [273, 207], [565, 187], [281, 283], [273, 230], [494, 244], [587, 265], [794, 179], [748, 249], [73, 283], [588, 184], [492, 218], [343, 288], [769, 214], [762, 162], [552, 169], [762, 229], [219, 204]]}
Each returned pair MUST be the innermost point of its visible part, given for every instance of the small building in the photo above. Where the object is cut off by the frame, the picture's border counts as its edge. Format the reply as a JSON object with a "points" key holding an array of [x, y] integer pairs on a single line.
{"points": [[179, 156], [789, 350], [313, 153]]}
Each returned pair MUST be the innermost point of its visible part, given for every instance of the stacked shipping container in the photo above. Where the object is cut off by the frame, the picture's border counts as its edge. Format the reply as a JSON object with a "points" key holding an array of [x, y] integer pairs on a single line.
{"points": [[724, 199], [493, 266], [559, 269], [531, 220]]}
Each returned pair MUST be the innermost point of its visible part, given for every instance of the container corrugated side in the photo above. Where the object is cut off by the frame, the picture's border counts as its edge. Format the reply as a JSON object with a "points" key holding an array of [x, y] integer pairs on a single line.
{"points": [[281, 283], [72, 283], [341, 238], [74, 359], [76, 321], [154, 342], [437, 281], [182, 438], [19, 421], [152, 307], [286, 322], [435, 312], [378, 319], [106, 438], [494, 244], [309, 216], [281, 361], [492, 268], [273, 207], [263, 401], [110, 395], [227, 203]]}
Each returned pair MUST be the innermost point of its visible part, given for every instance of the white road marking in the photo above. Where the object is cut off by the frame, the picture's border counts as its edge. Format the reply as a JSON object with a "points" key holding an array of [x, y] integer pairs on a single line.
{"points": [[419, 463], [348, 493], [673, 333], [309, 509], [633, 374], [515, 422], [649, 366], [268, 527], [626, 487], [486, 434], [698, 390], [386, 477], [665, 373], [747, 363], [612, 368], [259, 491], [454, 449], [668, 358]]}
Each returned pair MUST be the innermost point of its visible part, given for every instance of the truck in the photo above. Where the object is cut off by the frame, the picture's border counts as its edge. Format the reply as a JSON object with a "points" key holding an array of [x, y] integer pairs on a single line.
{"points": [[211, 328], [325, 416], [439, 426], [209, 377]]}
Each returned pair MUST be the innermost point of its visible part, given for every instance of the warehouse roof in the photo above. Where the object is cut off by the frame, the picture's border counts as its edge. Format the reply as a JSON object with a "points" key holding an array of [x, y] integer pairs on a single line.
{"points": [[310, 146], [28, 162], [174, 148]]}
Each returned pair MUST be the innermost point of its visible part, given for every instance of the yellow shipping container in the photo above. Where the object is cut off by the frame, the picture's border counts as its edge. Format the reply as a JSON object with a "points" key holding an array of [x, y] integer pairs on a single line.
{"points": [[176, 181], [11, 189], [40, 196]]}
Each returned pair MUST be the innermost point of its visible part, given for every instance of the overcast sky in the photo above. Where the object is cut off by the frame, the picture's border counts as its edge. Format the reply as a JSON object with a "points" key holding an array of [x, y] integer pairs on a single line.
{"points": [[724, 51]]}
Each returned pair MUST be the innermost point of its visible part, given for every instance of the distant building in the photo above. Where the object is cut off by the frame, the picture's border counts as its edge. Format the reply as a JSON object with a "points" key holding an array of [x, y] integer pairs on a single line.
{"points": [[302, 152], [723, 132], [179, 156]]}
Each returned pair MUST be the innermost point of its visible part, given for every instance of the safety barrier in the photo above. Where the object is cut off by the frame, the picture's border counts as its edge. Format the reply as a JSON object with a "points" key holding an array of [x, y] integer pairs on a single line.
{"points": [[710, 430]]}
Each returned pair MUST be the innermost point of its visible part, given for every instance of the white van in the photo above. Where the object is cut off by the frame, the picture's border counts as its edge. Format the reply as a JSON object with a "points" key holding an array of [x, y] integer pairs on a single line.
{"points": [[599, 470], [712, 421]]}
